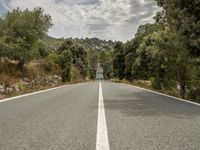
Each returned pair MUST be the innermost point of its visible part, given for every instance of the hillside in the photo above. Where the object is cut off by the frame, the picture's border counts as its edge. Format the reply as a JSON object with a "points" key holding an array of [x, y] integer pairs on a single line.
{"points": [[89, 43]]}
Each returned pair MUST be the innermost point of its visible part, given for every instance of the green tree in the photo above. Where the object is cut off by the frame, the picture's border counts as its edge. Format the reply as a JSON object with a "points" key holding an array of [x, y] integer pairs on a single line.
{"points": [[183, 16], [130, 56], [165, 59], [74, 54], [65, 62], [65, 59], [41, 48], [106, 60], [20, 32], [51, 65], [93, 61], [80, 58], [118, 61]]}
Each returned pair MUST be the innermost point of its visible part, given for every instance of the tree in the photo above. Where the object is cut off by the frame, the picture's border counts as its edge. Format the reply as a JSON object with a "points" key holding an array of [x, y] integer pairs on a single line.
{"points": [[183, 16], [80, 58], [74, 54], [166, 60], [65, 59], [67, 44], [20, 32], [51, 64], [130, 56], [93, 61], [106, 60], [41, 48], [135, 57], [140, 67], [118, 61], [65, 62]]}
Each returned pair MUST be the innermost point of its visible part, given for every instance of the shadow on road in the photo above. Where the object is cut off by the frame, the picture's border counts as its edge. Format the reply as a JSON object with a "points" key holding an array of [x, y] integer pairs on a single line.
{"points": [[149, 104]]}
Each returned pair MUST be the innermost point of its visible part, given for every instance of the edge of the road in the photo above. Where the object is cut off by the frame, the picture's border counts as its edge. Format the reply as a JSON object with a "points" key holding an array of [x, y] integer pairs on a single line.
{"points": [[38, 92], [173, 97]]}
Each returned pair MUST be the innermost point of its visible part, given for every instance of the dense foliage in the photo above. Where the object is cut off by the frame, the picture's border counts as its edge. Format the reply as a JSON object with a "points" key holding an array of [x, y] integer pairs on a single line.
{"points": [[167, 52], [20, 32]]}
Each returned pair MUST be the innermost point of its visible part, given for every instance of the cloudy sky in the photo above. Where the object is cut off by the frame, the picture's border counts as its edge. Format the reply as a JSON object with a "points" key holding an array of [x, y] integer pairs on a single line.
{"points": [[105, 19]]}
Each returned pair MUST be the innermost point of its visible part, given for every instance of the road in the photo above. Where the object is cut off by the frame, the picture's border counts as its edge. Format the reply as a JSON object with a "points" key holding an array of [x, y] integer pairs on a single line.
{"points": [[76, 117]]}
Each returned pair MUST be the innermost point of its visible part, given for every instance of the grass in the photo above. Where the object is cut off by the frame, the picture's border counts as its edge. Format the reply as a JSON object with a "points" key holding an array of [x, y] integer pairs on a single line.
{"points": [[9, 75]]}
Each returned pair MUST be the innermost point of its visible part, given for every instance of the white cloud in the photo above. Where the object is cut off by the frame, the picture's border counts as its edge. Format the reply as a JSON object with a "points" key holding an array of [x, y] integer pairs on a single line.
{"points": [[107, 19]]}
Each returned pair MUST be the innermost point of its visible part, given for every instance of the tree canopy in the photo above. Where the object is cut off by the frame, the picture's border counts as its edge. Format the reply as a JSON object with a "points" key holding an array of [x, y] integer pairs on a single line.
{"points": [[20, 31]]}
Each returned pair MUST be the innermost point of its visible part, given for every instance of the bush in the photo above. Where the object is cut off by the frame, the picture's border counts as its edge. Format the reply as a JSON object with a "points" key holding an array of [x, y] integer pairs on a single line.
{"points": [[76, 76], [92, 73], [8, 67], [194, 91], [162, 83], [51, 68]]}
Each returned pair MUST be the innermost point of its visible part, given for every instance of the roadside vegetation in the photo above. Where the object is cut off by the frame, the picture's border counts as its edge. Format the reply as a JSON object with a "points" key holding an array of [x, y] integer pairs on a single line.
{"points": [[165, 55], [31, 60]]}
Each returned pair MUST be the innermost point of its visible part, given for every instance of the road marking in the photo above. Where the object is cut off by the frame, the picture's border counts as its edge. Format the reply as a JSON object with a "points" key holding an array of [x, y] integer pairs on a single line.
{"points": [[102, 133], [29, 94], [173, 97]]}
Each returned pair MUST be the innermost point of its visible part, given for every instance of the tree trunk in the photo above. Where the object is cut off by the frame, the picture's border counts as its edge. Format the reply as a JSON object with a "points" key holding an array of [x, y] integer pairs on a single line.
{"points": [[182, 90], [21, 65]]}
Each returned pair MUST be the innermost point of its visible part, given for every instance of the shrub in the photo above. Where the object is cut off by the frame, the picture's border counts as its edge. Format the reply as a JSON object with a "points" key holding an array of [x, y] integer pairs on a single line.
{"points": [[76, 76]]}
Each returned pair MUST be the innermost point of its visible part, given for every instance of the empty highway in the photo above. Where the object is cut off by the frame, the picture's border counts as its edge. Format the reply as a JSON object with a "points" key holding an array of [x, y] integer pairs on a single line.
{"points": [[129, 119]]}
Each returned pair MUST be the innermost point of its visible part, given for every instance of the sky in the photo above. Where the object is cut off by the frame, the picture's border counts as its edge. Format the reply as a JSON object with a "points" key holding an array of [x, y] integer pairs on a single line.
{"points": [[106, 19]]}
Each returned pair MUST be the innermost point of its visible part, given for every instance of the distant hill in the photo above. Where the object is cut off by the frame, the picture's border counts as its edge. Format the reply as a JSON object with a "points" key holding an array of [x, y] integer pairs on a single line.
{"points": [[52, 43], [96, 44], [89, 43]]}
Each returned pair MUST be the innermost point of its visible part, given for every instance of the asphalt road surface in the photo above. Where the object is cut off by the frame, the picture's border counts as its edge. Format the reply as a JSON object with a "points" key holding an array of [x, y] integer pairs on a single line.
{"points": [[87, 117]]}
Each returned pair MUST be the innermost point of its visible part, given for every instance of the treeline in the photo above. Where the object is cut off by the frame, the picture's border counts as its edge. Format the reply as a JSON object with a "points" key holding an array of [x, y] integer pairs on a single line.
{"points": [[167, 53], [89, 43], [23, 39], [74, 60], [96, 44]]}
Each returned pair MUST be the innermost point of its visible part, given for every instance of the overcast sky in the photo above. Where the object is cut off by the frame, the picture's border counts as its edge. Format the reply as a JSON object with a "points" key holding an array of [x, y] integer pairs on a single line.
{"points": [[105, 19]]}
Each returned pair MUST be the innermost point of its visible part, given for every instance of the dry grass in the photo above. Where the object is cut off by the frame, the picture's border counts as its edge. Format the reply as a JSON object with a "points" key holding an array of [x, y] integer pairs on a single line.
{"points": [[76, 76], [9, 75], [148, 85]]}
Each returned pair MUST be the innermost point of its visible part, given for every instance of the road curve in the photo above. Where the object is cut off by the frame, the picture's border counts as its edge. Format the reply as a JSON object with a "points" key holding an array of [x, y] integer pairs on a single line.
{"points": [[66, 119]]}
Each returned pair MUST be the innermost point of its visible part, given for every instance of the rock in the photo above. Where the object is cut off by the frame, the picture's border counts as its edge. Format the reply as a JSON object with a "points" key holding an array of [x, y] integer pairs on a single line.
{"points": [[27, 79], [1, 87], [59, 78], [179, 87], [9, 90], [55, 82], [38, 82], [25, 83], [30, 85], [17, 89], [2, 90], [55, 76], [33, 81]]}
